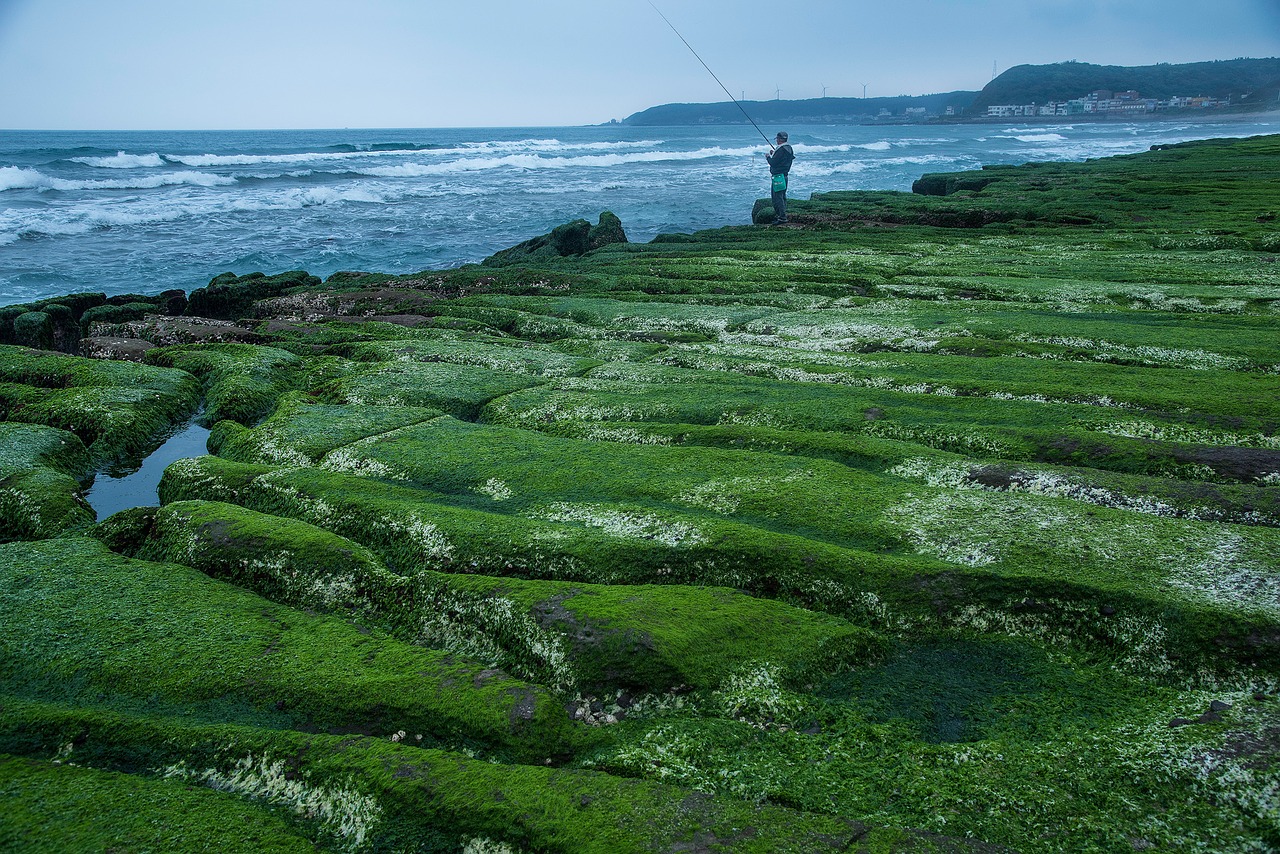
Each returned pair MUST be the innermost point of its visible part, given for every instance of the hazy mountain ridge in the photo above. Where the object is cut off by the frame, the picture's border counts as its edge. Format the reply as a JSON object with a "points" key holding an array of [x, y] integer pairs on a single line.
{"points": [[818, 110]]}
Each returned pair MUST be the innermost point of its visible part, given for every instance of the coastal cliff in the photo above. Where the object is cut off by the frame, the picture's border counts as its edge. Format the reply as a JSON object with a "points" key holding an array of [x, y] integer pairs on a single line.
{"points": [[932, 521]]}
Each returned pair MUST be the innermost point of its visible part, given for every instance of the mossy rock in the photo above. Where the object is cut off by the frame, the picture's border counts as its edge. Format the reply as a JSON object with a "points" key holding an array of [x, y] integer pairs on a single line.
{"points": [[33, 329], [392, 794], [301, 431], [242, 381], [166, 638], [230, 297], [570, 636], [573, 238], [289, 562], [41, 469], [51, 806], [119, 410]]}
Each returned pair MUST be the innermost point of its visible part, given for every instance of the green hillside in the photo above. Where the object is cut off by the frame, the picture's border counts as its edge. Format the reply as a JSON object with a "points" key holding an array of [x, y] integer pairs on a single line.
{"points": [[1250, 82]]}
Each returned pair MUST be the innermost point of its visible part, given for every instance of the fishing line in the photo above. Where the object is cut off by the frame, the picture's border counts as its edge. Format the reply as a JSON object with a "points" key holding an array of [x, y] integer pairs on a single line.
{"points": [[713, 74]]}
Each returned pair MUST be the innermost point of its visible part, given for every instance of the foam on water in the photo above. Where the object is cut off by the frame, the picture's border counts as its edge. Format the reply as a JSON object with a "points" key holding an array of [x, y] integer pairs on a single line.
{"points": [[14, 178], [122, 161]]}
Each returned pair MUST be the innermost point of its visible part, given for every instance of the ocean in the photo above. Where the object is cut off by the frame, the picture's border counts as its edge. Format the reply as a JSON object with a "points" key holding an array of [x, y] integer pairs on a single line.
{"points": [[146, 211]]}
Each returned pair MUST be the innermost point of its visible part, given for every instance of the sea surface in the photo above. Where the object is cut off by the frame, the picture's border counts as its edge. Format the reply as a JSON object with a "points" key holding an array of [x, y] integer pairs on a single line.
{"points": [[146, 211]]}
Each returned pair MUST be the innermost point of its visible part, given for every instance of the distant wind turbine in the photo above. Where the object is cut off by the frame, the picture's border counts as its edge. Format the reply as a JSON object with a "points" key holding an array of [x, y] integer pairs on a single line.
{"points": [[777, 94], [824, 91]]}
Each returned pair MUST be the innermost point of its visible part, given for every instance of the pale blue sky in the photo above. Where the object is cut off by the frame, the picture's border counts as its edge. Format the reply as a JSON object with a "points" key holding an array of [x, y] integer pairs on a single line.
{"points": [[89, 64]]}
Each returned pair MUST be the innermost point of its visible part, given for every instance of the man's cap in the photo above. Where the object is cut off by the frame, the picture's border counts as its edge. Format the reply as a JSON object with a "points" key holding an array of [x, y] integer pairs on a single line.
{"points": [[782, 135]]}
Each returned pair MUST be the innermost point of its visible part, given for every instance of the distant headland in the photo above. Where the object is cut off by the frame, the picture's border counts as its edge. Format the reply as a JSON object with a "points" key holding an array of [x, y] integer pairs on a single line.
{"points": [[1079, 90]]}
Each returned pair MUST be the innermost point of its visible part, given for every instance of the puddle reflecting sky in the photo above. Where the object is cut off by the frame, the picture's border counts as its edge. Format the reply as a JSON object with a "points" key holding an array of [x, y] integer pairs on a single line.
{"points": [[110, 495]]}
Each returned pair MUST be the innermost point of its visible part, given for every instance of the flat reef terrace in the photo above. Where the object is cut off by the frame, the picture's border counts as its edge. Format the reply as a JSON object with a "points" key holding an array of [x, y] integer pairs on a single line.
{"points": [[933, 521]]}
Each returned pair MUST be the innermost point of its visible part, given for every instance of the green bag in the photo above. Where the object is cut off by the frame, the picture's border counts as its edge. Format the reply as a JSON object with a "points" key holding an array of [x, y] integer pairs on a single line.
{"points": [[779, 183]]}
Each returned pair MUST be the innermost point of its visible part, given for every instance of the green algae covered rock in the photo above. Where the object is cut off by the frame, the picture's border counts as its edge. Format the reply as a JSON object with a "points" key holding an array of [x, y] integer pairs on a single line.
{"points": [[301, 431], [165, 638], [242, 381], [117, 409], [572, 238], [33, 329], [52, 806], [367, 794], [41, 469], [289, 562], [230, 297], [573, 636]]}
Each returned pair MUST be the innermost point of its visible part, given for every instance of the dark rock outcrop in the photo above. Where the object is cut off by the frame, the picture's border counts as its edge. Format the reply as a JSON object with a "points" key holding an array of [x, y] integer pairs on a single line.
{"points": [[229, 297], [573, 238]]}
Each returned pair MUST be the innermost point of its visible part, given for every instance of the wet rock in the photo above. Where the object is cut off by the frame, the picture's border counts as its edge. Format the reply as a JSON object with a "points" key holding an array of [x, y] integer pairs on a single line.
{"points": [[607, 231], [1177, 722], [229, 297], [121, 349], [173, 302], [1219, 706], [573, 238], [1209, 718], [34, 329]]}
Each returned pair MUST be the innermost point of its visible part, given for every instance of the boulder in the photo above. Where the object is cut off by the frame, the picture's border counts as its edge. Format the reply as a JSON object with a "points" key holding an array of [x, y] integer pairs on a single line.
{"points": [[33, 329], [122, 349], [573, 238], [229, 297]]}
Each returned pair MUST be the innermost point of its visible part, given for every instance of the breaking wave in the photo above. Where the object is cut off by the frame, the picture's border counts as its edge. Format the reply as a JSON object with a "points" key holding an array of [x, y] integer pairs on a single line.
{"points": [[121, 160], [1041, 137], [534, 161], [351, 152], [14, 178]]}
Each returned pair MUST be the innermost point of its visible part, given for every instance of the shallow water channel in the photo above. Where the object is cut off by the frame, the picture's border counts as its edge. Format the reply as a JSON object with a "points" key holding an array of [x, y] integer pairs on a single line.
{"points": [[113, 491]]}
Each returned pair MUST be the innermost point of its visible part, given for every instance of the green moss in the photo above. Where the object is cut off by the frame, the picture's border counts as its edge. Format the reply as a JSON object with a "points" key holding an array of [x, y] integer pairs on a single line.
{"points": [[379, 795], [573, 636], [41, 471], [242, 381], [33, 329], [230, 297], [461, 390], [95, 628], [118, 410], [301, 431], [52, 807]]}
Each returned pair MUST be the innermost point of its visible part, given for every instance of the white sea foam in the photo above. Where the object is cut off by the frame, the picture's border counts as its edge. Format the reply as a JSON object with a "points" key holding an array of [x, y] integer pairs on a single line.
{"points": [[121, 160], [1040, 137], [1049, 129], [88, 218], [13, 178], [497, 146], [556, 145], [534, 161]]}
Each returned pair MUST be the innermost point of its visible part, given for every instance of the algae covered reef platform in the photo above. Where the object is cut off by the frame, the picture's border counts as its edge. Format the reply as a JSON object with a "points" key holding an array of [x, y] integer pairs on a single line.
{"points": [[935, 521]]}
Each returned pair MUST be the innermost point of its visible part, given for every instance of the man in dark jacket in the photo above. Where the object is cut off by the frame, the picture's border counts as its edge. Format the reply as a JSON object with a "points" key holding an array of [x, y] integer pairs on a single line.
{"points": [[779, 166]]}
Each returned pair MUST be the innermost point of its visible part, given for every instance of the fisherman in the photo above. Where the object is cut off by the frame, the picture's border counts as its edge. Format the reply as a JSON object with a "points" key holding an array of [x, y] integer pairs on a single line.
{"points": [[779, 166]]}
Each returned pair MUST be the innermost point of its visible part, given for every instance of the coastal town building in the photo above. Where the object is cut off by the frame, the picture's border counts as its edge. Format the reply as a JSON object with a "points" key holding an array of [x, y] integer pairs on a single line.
{"points": [[1104, 101]]}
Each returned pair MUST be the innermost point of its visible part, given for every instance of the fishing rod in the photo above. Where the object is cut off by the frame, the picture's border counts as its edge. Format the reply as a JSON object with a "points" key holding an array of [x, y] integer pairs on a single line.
{"points": [[713, 74]]}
